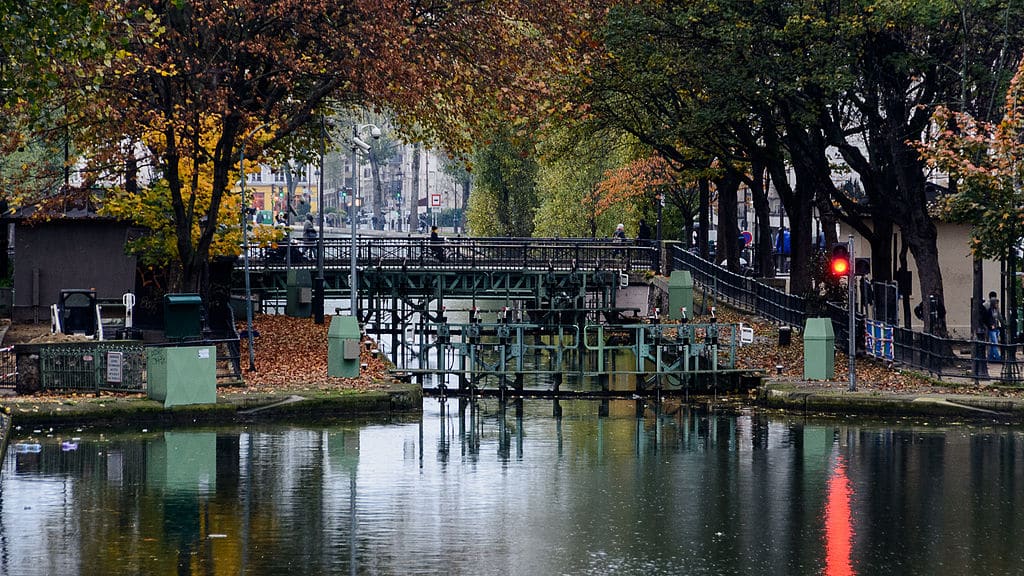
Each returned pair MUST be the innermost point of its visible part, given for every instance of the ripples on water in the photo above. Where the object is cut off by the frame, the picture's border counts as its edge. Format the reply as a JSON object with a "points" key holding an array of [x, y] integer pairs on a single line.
{"points": [[492, 489]]}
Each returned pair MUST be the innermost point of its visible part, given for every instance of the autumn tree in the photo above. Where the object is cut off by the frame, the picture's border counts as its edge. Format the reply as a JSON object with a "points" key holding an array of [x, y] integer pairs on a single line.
{"points": [[571, 164], [688, 80], [985, 160], [505, 187], [152, 206], [632, 192], [41, 43], [209, 78]]}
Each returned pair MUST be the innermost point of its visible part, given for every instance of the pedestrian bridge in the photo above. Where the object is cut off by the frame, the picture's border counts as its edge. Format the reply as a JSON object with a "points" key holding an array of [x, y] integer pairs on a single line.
{"points": [[559, 306], [568, 276], [459, 253]]}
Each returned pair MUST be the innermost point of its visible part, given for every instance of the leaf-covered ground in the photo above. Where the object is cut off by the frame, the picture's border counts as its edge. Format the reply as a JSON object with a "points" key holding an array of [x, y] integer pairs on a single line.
{"points": [[786, 364], [291, 356], [292, 353]]}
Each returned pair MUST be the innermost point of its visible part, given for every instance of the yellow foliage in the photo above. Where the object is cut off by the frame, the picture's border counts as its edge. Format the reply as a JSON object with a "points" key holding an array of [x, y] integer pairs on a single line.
{"points": [[153, 206]]}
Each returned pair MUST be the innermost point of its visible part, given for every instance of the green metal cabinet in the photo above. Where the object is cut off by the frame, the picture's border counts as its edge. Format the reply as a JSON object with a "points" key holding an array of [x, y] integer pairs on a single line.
{"points": [[182, 316], [343, 337], [182, 375], [680, 294], [300, 294], [819, 349]]}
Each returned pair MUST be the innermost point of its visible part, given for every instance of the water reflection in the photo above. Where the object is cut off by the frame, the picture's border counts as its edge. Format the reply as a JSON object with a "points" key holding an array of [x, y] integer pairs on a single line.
{"points": [[838, 523], [531, 487]]}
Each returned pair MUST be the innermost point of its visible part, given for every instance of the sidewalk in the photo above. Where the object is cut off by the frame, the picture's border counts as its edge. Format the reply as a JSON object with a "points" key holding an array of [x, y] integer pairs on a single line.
{"points": [[834, 398]]}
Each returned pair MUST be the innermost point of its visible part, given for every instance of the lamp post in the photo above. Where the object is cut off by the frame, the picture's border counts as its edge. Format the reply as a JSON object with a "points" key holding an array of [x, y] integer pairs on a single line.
{"points": [[851, 349], [318, 282], [357, 144], [398, 201], [657, 253], [245, 247]]}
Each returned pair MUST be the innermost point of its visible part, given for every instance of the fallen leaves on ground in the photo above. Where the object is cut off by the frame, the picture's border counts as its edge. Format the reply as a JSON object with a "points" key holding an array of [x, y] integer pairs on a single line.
{"points": [[291, 353], [786, 363]]}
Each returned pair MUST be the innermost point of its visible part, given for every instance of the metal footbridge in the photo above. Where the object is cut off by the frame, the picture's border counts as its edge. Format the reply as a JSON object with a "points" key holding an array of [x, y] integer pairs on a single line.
{"points": [[556, 310]]}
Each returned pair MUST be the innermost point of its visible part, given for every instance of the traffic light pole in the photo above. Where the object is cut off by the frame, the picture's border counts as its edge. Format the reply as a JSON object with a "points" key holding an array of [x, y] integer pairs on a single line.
{"points": [[852, 331]]}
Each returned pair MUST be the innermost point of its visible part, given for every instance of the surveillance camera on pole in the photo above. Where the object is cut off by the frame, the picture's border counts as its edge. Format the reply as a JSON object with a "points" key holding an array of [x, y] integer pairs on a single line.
{"points": [[360, 144]]}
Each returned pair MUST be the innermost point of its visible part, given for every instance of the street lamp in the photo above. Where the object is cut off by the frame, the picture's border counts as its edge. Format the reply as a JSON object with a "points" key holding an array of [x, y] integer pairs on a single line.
{"points": [[245, 247], [357, 145], [398, 201], [318, 282], [660, 198]]}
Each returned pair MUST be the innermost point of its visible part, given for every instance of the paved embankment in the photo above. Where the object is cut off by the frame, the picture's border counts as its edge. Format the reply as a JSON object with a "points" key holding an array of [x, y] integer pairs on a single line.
{"points": [[816, 399], [241, 406], [230, 407]]}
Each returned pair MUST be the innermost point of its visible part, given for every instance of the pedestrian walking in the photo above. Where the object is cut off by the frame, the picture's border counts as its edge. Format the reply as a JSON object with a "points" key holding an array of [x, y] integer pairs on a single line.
{"points": [[309, 236], [620, 233], [993, 320], [437, 245]]}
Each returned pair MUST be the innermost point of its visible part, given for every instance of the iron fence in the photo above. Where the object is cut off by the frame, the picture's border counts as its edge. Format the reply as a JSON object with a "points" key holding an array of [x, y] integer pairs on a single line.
{"points": [[8, 368], [944, 358], [743, 292], [116, 366]]}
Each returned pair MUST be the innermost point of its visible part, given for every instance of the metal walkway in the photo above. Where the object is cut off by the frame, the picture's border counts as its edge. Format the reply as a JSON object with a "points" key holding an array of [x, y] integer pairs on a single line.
{"points": [[477, 265], [563, 315]]}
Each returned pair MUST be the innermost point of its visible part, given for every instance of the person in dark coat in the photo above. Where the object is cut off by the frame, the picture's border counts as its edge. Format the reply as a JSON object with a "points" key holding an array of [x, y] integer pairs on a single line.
{"points": [[436, 244], [992, 318], [643, 234], [309, 236]]}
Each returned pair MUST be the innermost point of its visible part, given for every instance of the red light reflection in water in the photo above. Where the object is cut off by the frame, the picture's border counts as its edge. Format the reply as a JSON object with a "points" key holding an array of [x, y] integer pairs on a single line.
{"points": [[838, 523]]}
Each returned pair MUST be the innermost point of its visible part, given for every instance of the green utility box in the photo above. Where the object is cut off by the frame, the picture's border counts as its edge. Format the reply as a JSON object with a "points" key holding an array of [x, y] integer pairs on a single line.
{"points": [[182, 316], [343, 338], [300, 294], [680, 294], [182, 375], [819, 349]]}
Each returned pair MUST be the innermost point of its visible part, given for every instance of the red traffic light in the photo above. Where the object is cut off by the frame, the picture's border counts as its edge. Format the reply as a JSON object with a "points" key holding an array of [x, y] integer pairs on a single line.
{"points": [[839, 263]]}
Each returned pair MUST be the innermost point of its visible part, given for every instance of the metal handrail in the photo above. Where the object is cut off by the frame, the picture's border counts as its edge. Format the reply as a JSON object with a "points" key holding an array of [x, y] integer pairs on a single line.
{"points": [[942, 357], [490, 253]]}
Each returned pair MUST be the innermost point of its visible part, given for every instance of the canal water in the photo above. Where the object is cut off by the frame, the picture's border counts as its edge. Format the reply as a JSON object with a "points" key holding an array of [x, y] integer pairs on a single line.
{"points": [[542, 487]]}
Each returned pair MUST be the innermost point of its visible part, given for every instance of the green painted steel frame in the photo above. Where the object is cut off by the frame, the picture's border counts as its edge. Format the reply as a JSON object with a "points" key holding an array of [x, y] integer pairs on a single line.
{"points": [[681, 354]]}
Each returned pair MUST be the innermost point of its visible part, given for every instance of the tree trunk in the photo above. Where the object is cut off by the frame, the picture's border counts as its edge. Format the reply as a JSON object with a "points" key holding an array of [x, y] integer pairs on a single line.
{"points": [[813, 186], [881, 250], [799, 208], [728, 230], [920, 235], [466, 187]]}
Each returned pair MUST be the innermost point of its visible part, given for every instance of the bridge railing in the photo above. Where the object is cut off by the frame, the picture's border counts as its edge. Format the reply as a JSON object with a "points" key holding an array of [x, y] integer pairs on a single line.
{"points": [[743, 291], [458, 252]]}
